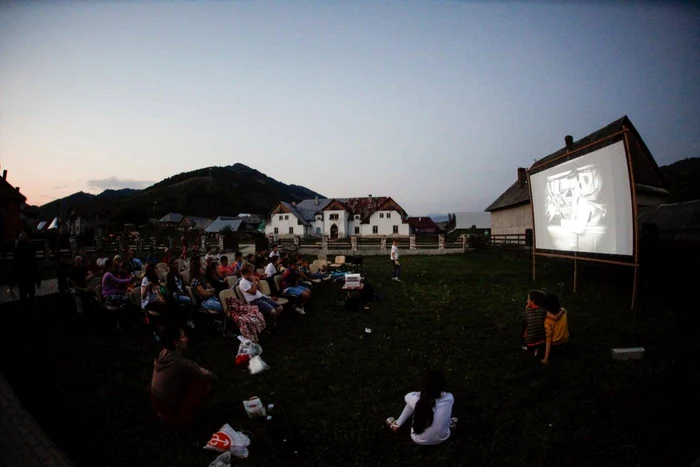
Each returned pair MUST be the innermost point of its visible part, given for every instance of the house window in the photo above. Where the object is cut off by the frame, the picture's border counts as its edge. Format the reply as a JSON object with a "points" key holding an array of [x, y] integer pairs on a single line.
{"points": [[396, 229], [381, 215], [319, 218], [375, 229], [333, 217], [388, 215], [357, 217], [281, 217], [291, 230], [318, 230], [277, 230], [286, 217], [357, 230]]}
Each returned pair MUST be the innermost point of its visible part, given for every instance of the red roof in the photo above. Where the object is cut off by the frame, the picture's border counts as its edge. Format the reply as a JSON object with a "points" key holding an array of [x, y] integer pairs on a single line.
{"points": [[422, 223]]}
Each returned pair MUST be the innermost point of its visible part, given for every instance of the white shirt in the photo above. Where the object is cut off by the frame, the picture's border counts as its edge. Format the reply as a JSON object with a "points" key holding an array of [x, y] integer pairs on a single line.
{"points": [[394, 252], [101, 262], [274, 254], [439, 430], [245, 286], [150, 294], [270, 270]]}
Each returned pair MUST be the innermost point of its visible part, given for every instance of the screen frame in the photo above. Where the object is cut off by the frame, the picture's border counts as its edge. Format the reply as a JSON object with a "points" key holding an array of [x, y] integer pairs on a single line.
{"points": [[625, 260]]}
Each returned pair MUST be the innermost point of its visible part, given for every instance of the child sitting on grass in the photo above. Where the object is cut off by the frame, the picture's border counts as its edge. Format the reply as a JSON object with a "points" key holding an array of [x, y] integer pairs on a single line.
{"points": [[534, 333], [556, 326], [431, 409]]}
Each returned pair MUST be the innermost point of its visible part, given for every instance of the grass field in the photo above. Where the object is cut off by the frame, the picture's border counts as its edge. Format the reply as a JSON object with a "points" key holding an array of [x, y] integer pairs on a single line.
{"points": [[333, 385]]}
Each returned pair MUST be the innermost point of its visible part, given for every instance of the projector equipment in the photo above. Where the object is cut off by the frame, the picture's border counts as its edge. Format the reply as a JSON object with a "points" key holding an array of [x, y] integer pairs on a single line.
{"points": [[352, 280]]}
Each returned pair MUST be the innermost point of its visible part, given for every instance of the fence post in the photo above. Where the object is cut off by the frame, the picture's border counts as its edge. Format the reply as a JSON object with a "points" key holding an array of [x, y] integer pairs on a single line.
{"points": [[221, 242], [139, 244], [412, 242], [441, 242], [382, 245], [464, 242], [203, 243], [353, 243], [324, 243]]}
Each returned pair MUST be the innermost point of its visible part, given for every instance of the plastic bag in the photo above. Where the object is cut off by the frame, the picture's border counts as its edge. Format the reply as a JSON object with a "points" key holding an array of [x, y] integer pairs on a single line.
{"points": [[257, 365], [248, 347], [229, 440], [224, 460], [254, 407]]}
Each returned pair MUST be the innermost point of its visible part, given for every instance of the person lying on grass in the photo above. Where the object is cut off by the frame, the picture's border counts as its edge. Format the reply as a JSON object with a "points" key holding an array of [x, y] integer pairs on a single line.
{"points": [[431, 409], [534, 335], [556, 326], [179, 387]]}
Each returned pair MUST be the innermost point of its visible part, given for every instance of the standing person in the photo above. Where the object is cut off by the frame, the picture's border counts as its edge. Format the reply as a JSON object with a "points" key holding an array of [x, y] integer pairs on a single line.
{"points": [[431, 408], [24, 272], [535, 314], [179, 387], [556, 326], [395, 261]]}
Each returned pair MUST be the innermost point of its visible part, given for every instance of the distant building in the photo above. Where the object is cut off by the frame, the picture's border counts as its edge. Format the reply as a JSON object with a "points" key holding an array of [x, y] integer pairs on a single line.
{"points": [[511, 212], [170, 220], [12, 204], [88, 222], [420, 225], [472, 222], [339, 218], [222, 222]]}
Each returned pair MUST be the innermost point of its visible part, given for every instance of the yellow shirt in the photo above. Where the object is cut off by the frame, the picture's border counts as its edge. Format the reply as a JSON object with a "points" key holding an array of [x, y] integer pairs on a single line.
{"points": [[557, 331]]}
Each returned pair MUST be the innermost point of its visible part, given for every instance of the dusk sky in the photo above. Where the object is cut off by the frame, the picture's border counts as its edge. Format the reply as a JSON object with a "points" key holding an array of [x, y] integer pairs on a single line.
{"points": [[434, 103]]}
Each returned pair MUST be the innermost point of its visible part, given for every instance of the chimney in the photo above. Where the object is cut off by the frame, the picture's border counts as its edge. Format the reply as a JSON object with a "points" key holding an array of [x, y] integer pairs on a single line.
{"points": [[569, 140], [370, 196], [419, 219], [17, 188], [294, 203], [316, 200], [4, 174], [522, 176]]}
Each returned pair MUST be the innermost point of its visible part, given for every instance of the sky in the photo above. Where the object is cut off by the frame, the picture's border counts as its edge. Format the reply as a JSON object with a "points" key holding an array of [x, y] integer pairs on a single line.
{"points": [[435, 104]]}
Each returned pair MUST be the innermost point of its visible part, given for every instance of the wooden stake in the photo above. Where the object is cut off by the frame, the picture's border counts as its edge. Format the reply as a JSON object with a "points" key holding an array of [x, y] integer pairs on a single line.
{"points": [[634, 289], [575, 273], [635, 226]]}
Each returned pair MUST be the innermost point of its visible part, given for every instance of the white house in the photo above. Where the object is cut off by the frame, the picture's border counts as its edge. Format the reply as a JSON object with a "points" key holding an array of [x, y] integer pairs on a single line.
{"points": [[339, 218]]}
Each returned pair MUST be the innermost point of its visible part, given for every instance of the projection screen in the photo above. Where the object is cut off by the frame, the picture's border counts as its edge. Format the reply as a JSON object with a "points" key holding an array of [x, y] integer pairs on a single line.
{"points": [[584, 205]]}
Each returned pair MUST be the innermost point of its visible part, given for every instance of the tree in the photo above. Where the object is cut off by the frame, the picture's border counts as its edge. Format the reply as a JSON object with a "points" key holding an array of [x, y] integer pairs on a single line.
{"points": [[226, 231]]}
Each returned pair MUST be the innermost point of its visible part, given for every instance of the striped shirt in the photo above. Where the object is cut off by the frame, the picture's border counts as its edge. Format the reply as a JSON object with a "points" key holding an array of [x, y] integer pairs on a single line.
{"points": [[534, 316]]}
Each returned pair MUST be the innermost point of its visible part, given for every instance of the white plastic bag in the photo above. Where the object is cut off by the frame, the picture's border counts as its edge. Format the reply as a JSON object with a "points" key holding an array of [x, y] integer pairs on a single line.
{"points": [[254, 407], [229, 440], [257, 365], [224, 460], [248, 347]]}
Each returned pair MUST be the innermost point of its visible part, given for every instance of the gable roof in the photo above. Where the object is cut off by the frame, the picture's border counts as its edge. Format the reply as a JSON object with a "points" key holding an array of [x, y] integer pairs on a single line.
{"points": [[8, 191], [221, 222], [171, 218], [187, 221], [305, 210], [465, 220], [682, 219], [368, 205], [646, 171]]}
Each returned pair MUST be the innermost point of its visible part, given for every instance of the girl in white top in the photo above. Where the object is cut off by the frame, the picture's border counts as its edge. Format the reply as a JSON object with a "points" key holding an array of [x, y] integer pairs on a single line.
{"points": [[431, 409]]}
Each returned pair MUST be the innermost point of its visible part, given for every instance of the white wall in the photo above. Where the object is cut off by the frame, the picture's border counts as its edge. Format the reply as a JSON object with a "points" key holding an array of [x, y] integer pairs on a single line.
{"points": [[385, 225], [288, 220], [512, 220], [341, 223]]}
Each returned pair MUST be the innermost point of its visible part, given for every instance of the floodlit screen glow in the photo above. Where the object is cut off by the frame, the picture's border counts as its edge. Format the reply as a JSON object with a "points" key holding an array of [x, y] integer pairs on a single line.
{"points": [[584, 205]]}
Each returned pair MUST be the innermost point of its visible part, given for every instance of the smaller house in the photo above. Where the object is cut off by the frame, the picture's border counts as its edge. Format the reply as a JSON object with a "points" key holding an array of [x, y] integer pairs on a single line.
{"points": [[422, 225], [190, 222], [12, 203], [222, 222], [170, 220]]}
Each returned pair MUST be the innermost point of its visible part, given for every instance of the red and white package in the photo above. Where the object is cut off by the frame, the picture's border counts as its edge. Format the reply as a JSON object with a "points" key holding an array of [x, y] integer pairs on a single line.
{"points": [[222, 440]]}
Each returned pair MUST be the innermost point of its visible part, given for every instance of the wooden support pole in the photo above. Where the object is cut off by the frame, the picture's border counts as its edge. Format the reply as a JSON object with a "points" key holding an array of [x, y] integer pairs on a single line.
{"points": [[575, 274], [635, 287]]}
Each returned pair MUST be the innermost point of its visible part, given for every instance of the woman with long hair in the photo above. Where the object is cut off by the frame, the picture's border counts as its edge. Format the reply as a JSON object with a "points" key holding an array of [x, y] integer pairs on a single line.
{"points": [[203, 292], [431, 409]]}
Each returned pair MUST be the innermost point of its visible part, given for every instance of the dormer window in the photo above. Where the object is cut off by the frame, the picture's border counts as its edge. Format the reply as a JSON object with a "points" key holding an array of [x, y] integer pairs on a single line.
{"points": [[381, 215], [357, 217]]}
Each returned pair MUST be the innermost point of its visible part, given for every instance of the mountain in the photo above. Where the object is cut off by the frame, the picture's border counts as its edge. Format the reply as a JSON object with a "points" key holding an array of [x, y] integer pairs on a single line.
{"points": [[682, 178], [208, 192], [49, 211], [438, 216]]}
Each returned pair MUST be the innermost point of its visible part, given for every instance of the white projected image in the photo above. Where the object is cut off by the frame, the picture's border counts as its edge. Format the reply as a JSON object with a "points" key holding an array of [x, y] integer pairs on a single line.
{"points": [[584, 205]]}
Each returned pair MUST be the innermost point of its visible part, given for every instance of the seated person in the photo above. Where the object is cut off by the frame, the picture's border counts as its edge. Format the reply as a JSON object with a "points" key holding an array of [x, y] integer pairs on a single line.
{"points": [[556, 326], [431, 409], [179, 387], [77, 279], [224, 268], [238, 263], [205, 294], [176, 288], [152, 298], [290, 285], [306, 273], [214, 279], [249, 286], [114, 289], [134, 263]]}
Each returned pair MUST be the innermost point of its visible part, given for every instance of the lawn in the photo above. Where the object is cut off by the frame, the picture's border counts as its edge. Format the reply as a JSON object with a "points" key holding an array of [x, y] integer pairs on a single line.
{"points": [[333, 385]]}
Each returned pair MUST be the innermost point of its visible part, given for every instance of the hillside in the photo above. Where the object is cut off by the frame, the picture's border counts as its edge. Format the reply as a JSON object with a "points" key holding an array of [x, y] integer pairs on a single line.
{"points": [[682, 177], [208, 192]]}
